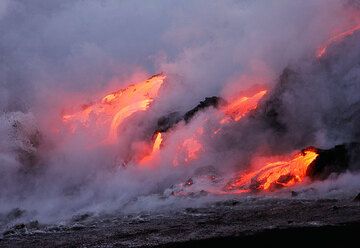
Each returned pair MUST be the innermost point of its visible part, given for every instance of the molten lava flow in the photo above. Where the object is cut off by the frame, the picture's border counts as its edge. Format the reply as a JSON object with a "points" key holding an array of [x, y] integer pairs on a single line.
{"points": [[155, 149], [238, 108], [276, 174], [157, 143], [114, 108], [191, 147], [334, 39]]}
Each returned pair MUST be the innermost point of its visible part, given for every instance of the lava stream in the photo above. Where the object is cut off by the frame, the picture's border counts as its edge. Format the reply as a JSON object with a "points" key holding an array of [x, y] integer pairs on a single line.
{"points": [[155, 149], [276, 174], [111, 111], [157, 142], [334, 39], [191, 147], [238, 108]]}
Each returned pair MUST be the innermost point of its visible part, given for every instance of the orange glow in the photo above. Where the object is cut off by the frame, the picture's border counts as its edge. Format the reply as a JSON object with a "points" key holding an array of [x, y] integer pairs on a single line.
{"points": [[155, 149], [334, 39], [157, 143], [192, 148], [189, 149], [124, 113], [276, 174], [236, 109], [114, 108]]}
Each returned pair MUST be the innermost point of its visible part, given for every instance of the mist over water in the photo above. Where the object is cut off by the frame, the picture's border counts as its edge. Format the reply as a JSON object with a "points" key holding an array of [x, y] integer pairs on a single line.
{"points": [[55, 55]]}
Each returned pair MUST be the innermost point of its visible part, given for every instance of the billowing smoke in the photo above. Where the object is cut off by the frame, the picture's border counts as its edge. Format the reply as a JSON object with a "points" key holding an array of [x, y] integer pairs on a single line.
{"points": [[59, 54]]}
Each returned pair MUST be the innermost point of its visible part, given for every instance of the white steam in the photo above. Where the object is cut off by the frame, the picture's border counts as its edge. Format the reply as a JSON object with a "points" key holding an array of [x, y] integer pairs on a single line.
{"points": [[56, 54]]}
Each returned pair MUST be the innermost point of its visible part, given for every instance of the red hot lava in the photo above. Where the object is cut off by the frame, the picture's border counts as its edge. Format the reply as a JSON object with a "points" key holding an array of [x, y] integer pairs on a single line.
{"points": [[275, 173], [111, 111], [114, 108], [155, 150], [239, 107], [338, 37]]}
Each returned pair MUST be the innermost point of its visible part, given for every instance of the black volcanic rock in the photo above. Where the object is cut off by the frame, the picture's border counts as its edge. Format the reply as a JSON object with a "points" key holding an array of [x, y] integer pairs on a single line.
{"points": [[357, 198], [234, 219], [270, 111], [335, 160], [166, 122], [213, 101]]}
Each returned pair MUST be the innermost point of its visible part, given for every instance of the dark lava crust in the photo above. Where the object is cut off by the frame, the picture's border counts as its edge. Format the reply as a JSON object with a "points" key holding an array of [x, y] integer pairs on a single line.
{"points": [[229, 222]]}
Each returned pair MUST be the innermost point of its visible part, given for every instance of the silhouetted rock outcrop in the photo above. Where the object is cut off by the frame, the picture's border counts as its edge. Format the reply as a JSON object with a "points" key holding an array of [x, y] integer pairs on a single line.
{"points": [[170, 120], [335, 160]]}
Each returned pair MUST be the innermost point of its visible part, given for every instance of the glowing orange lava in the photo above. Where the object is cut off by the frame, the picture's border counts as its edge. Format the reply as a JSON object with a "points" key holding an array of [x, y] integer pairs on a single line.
{"points": [[191, 147], [157, 143], [114, 108], [334, 39], [276, 174], [238, 108], [155, 149]]}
